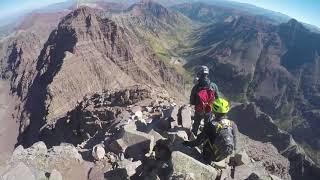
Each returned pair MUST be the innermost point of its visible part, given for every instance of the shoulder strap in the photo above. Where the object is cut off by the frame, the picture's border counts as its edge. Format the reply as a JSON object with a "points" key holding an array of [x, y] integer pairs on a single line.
{"points": [[223, 123]]}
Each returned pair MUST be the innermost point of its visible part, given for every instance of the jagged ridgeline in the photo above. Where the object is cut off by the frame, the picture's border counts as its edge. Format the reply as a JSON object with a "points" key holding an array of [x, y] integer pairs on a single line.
{"points": [[108, 81]]}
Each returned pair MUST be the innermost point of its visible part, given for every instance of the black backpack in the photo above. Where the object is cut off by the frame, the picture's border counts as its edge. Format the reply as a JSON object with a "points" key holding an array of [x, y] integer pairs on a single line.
{"points": [[223, 145]]}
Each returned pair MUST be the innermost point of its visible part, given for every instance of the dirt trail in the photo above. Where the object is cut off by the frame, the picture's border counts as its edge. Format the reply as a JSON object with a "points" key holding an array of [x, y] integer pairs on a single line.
{"points": [[8, 127]]}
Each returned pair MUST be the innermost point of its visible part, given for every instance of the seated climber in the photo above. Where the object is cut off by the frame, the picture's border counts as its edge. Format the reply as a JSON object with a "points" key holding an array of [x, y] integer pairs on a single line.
{"points": [[218, 136], [202, 95]]}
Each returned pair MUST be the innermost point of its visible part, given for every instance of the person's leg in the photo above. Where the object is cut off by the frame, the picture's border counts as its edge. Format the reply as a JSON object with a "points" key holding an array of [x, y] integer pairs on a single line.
{"points": [[196, 123], [207, 117], [206, 154]]}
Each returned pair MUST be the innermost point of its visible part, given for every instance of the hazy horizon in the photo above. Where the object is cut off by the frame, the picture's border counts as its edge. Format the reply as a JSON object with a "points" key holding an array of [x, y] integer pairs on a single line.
{"points": [[305, 11]]}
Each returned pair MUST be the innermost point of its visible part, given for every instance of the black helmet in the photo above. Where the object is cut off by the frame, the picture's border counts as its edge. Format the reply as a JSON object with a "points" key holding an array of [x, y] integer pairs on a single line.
{"points": [[203, 70]]}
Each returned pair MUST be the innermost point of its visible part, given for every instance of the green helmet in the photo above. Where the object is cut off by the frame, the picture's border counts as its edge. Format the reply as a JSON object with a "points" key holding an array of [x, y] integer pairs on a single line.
{"points": [[220, 105]]}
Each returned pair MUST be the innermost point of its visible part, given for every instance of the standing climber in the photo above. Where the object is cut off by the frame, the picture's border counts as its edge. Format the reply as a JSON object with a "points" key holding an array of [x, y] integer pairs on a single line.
{"points": [[202, 95], [219, 135]]}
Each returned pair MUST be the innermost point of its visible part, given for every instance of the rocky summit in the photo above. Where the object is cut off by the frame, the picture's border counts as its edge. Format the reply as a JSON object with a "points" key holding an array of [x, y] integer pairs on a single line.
{"points": [[99, 89], [134, 134]]}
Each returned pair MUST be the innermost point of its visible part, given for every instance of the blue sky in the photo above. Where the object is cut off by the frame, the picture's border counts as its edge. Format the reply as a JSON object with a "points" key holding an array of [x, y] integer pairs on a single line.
{"points": [[9, 7], [307, 11], [303, 10]]}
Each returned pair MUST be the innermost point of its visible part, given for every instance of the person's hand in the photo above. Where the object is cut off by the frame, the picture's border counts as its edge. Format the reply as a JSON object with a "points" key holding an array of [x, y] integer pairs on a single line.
{"points": [[185, 143]]}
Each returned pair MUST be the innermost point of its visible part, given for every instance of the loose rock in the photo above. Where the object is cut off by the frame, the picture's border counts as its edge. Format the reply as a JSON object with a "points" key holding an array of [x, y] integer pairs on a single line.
{"points": [[55, 175], [186, 117], [20, 171], [98, 152], [183, 164]]}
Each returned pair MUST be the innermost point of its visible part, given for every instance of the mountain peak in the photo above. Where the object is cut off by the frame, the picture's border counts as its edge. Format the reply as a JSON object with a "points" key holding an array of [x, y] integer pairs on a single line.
{"points": [[148, 7], [293, 23], [84, 15]]}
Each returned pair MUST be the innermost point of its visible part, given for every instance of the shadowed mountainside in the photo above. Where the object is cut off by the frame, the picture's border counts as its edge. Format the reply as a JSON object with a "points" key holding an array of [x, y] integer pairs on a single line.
{"points": [[274, 66]]}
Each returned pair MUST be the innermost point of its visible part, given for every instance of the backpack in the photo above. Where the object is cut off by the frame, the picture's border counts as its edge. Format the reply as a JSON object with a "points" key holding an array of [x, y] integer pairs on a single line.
{"points": [[205, 98], [224, 141]]}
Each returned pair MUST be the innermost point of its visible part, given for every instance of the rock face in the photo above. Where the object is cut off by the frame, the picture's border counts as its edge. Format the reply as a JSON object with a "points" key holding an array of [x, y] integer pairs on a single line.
{"points": [[266, 131], [275, 66], [85, 54]]}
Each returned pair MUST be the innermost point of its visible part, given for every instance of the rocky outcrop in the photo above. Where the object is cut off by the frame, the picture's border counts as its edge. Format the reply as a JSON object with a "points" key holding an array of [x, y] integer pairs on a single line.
{"points": [[265, 130], [38, 162], [105, 130]]}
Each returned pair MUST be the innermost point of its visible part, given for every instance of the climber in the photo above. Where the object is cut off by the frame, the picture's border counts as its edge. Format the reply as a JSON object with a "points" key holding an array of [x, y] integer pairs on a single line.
{"points": [[202, 95], [218, 136]]}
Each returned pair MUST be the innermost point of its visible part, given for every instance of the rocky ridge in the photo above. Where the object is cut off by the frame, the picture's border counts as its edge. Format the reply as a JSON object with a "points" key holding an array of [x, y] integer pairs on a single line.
{"points": [[143, 142], [81, 48]]}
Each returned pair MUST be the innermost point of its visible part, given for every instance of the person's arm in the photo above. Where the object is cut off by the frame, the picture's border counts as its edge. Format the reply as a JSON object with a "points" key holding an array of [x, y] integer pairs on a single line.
{"points": [[235, 134], [200, 139], [216, 90], [193, 95]]}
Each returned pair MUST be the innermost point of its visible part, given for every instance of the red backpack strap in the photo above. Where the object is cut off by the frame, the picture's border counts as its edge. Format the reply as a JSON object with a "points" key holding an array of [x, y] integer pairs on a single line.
{"points": [[205, 98], [211, 98]]}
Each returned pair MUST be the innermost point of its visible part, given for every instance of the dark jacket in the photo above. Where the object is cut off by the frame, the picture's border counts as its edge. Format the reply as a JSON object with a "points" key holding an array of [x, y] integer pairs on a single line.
{"points": [[202, 82], [209, 133]]}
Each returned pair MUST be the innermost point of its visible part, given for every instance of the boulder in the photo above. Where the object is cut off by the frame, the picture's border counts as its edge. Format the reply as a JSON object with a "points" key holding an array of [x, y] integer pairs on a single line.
{"points": [[255, 176], [117, 174], [129, 166], [118, 146], [98, 152], [162, 151], [244, 171], [96, 173], [138, 143], [55, 175], [241, 158], [220, 164], [273, 177], [138, 115], [174, 116], [178, 136], [62, 158], [226, 173], [186, 117], [135, 109], [184, 164], [39, 147], [20, 171], [155, 135], [148, 109]]}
